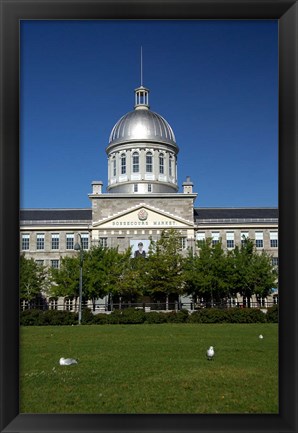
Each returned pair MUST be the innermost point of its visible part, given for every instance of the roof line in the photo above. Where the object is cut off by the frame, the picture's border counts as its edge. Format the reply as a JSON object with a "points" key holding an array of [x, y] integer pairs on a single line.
{"points": [[58, 208], [241, 207]]}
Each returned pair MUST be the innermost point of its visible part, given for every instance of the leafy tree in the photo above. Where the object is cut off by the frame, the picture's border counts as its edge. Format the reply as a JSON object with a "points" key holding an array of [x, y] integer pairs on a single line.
{"points": [[132, 282], [207, 274], [103, 270], [252, 272], [66, 278], [164, 265], [33, 279]]}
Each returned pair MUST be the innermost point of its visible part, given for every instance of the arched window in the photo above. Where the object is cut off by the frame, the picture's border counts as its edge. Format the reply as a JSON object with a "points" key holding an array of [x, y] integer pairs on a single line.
{"points": [[161, 163], [135, 162], [149, 162], [123, 163]]}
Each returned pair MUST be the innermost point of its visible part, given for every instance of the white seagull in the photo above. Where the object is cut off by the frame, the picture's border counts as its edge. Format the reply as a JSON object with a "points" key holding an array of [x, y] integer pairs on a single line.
{"points": [[67, 361], [210, 353], [261, 337]]}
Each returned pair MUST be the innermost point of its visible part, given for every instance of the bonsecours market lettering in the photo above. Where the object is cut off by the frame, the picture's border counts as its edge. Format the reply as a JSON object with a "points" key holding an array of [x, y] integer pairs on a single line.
{"points": [[144, 223]]}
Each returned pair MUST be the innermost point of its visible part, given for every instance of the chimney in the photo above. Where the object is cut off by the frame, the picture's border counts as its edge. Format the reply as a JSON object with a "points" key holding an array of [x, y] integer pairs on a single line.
{"points": [[97, 187], [187, 186]]}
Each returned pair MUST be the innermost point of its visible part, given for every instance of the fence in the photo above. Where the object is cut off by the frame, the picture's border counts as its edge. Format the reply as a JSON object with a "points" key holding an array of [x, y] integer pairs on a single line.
{"points": [[96, 308]]}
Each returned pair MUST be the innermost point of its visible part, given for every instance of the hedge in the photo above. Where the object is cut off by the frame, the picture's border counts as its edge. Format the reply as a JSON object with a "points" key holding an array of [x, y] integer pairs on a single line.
{"points": [[49, 317], [133, 316]]}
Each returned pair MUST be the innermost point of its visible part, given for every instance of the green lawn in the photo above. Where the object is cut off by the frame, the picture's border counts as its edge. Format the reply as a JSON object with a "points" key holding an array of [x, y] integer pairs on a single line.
{"points": [[150, 369]]}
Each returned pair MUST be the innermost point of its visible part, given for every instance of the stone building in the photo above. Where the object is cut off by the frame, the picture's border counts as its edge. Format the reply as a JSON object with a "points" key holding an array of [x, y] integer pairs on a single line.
{"points": [[141, 200]]}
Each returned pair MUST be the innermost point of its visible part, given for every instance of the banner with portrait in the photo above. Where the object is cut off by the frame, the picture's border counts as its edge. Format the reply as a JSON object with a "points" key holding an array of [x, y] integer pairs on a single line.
{"points": [[139, 247]]}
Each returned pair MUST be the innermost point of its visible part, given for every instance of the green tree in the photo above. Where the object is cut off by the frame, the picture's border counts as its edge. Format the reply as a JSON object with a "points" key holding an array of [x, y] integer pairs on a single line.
{"points": [[252, 272], [132, 282], [65, 279], [103, 271], [33, 279], [163, 270], [207, 274]]}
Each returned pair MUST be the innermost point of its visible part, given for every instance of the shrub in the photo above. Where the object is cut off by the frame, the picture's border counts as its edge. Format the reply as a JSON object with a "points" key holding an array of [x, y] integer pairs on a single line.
{"points": [[30, 317], [115, 317], [208, 315], [230, 315], [87, 317], [155, 317], [101, 319], [130, 315], [49, 317], [177, 317], [272, 314], [246, 315], [57, 317]]}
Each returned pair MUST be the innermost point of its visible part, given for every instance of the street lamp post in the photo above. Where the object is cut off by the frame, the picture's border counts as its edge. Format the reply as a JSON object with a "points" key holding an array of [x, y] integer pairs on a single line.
{"points": [[79, 247]]}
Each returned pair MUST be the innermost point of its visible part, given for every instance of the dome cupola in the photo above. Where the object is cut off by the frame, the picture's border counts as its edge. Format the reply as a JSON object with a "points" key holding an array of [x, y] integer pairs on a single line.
{"points": [[142, 124], [142, 151]]}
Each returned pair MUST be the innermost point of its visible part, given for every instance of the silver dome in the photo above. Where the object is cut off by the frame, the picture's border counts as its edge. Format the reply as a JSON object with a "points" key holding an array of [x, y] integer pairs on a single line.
{"points": [[142, 124]]}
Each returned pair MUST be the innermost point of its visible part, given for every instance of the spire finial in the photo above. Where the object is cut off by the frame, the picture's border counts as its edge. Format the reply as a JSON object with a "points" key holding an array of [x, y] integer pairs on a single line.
{"points": [[141, 93], [141, 65]]}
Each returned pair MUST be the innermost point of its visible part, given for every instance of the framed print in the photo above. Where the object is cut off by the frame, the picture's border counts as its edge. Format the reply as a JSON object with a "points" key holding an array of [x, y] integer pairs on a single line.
{"points": [[138, 170]]}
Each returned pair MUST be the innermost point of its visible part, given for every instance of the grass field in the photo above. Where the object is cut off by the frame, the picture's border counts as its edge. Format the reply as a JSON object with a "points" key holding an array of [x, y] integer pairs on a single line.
{"points": [[150, 369]]}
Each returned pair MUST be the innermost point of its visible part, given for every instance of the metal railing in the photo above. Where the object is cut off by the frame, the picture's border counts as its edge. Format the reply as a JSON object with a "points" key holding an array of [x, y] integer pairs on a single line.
{"points": [[97, 308]]}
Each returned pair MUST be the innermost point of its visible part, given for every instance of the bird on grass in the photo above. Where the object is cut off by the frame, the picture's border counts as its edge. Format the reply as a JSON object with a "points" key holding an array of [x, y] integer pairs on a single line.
{"points": [[67, 361], [210, 353]]}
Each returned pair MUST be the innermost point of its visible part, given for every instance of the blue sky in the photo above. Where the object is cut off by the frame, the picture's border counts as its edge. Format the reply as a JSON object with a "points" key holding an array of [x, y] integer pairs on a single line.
{"points": [[215, 82]]}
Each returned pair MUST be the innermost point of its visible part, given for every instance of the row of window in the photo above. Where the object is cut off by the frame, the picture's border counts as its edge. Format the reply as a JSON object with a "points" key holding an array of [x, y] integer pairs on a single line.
{"points": [[136, 163], [54, 263], [55, 241], [136, 187], [259, 238]]}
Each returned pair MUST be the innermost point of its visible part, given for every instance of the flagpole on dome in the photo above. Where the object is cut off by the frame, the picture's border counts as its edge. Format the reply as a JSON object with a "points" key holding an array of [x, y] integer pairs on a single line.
{"points": [[141, 66], [141, 93]]}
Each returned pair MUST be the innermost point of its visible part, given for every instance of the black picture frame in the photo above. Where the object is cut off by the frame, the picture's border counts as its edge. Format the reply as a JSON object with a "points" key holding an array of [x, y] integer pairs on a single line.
{"points": [[11, 14]]}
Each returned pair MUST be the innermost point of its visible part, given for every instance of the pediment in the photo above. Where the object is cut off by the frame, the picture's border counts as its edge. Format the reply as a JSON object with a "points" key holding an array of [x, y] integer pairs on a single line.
{"points": [[143, 216]]}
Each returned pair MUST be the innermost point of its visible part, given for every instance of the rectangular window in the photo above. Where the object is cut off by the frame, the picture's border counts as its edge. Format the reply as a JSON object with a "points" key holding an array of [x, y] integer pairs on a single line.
{"points": [[200, 237], [161, 164], [244, 235], [55, 241], [114, 167], [274, 261], [103, 242], [55, 264], [123, 164], [230, 239], [39, 262], [259, 240], [149, 187], [40, 241], [215, 237], [53, 304], [149, 162], [135, 162], [69, 241], [68, 304], [25, 241], [183, 243], [135, 187], [273, 239], [170, 166], [85, 241]]}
